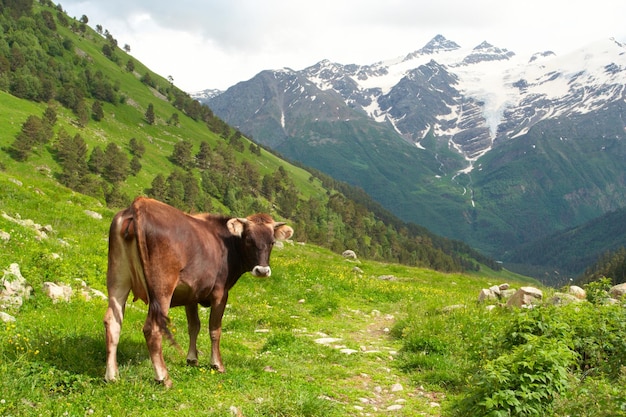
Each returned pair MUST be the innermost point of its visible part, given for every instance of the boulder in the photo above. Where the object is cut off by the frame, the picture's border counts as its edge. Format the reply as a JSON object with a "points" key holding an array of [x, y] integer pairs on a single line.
{"points": [[525, 297], [577, 292], [349, 254], [618, 291], [13, 288], [486, 294], [561, 298], [58, 292]]}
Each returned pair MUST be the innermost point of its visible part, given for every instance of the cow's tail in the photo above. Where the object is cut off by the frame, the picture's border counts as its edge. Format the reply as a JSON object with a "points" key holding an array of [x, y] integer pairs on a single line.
{"points": [[156, 315], [155, 311]]}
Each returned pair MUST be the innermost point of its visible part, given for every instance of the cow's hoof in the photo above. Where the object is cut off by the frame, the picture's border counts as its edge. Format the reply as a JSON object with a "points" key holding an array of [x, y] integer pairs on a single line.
{"points": [[167, 382], [192, 362], [218, 368]]}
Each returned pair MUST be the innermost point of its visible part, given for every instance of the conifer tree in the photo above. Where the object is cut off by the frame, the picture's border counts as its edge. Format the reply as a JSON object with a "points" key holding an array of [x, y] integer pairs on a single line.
{"points": [[97, 112], [116, 167], [150, 117], [158, 188], [97, 160]]}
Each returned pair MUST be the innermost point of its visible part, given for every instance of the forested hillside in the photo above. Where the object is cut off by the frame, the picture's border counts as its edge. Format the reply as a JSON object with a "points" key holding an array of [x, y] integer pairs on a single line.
{"points": [[80, 110]]}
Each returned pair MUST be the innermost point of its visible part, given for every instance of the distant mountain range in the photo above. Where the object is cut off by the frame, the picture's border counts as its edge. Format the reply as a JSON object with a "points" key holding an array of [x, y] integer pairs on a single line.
{"points": [[477, 144]]}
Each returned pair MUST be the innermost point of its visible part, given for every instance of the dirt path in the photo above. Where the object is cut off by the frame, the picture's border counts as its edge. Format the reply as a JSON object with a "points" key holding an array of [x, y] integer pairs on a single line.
{"points": [[383, 388]]}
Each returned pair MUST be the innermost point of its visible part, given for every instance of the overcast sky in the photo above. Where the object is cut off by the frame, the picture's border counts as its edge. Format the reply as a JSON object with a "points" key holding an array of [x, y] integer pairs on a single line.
{"points": [[217, 43]]}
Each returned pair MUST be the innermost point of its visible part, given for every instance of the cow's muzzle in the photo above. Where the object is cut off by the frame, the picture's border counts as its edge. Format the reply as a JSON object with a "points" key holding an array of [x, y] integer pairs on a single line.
{"points": [[261, 271]]}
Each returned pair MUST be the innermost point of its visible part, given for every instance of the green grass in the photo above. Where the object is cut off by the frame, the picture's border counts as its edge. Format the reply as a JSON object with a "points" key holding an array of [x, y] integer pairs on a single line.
{"points": [[399, 332], [52, 357]]}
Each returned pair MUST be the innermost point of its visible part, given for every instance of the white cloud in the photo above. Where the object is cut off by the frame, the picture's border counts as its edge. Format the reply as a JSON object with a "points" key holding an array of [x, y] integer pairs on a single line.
{"points": [[217, 43]]}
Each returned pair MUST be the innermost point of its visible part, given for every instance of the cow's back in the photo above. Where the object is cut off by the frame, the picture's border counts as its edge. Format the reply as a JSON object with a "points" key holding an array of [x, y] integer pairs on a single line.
{"points": [[154, 244]]}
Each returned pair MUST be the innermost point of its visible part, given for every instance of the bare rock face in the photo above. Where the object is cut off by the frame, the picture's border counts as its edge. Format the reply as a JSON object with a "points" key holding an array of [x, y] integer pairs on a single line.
{"points": [[525, 297]]}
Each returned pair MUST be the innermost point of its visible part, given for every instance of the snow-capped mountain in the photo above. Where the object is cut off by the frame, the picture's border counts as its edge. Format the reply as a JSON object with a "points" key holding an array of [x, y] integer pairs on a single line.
{"points": [[501, 95], [475, 143]]}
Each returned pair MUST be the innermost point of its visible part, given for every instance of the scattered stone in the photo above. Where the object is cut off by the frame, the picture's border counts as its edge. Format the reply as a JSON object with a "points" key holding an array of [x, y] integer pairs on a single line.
{"points": [[327, 340], [16, 182], [560, 298], [508, 293], [504, 286], [269, 369], [387, 278], [394, 407], [495, 289], [13, 288], [349, 254], [234, 411], [58, 292], [577, 292], [93, 214], [397, 387], [6, 317], [448, 309], [525, 296], [357, 270], [4, 236], [486, 294], [348, 351], [618, 291]]}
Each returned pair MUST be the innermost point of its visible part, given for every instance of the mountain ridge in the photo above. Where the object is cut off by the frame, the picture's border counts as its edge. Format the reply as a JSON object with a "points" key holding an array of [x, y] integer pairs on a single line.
{"points": [[453, 107]]}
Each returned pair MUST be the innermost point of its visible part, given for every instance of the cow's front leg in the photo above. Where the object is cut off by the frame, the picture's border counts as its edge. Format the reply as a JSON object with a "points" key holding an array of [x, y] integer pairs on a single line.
{"points": [[193, 328], [218, 304]]}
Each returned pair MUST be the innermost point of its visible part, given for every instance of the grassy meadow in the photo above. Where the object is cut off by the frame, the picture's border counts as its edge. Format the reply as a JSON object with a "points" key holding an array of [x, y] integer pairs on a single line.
{"points": [[397, 339], [52, 357]]}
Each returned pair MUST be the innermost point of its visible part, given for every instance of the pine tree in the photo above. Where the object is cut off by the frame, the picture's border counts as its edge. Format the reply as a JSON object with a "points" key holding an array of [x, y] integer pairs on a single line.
{"points": [[97, 112], [159, 188], [150, 117], [116, 166], [97, 161], [203, 157], [181, 155]]}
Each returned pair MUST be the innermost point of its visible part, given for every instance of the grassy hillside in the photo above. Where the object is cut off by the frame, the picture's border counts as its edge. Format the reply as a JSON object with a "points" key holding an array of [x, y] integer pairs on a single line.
{"points": [[407, 339], [74, 103]]}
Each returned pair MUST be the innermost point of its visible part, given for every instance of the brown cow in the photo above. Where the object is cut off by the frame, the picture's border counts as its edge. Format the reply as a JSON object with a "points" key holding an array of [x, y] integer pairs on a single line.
{"points": [[168, 259]]}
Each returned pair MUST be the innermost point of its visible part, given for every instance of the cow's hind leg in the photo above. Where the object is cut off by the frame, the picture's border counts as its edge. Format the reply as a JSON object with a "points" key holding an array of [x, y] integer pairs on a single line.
{"points": [[193, 328], [118, 290], [153, 329]]}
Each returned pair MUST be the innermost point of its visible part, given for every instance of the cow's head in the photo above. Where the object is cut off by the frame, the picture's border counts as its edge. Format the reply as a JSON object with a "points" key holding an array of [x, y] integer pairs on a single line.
{"points": [[258, 233]]}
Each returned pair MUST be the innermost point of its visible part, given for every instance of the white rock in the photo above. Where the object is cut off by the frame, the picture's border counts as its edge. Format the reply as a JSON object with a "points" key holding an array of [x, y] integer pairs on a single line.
{"points": [[5, 317], [327, 340], [57, 292], [396, 387]]}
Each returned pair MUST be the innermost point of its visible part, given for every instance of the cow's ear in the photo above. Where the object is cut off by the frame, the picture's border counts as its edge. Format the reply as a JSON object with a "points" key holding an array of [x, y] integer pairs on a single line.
{"points": [[236, 225], [282, 232]]}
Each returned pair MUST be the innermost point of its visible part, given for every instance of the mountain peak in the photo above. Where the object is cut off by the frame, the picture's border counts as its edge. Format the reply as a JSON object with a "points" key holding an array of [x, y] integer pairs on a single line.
{"points": [[436, 45], [487, 52], [439, 44]]}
